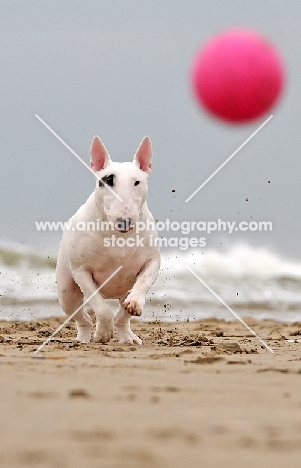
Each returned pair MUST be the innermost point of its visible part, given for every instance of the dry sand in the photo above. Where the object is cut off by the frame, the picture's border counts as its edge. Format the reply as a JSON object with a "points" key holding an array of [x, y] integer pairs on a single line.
{"points": [[198, 394]]}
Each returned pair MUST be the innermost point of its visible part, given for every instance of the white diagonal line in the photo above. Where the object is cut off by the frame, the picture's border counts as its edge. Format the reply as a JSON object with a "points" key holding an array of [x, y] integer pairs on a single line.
{"points": [[230, 310], [75, 312], [227, 160], [77, 156]]}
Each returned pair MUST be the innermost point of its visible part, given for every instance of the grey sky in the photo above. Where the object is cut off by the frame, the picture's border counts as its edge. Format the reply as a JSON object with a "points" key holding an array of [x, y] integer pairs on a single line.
{"points": [[120, 69]]}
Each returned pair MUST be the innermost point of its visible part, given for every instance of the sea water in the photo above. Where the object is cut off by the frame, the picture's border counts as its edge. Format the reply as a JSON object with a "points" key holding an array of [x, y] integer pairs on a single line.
{"points": [[251, 281]]}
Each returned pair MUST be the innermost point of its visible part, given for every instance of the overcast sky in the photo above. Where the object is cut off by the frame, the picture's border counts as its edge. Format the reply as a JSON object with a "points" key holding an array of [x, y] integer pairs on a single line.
{"points": [[120, 69]]}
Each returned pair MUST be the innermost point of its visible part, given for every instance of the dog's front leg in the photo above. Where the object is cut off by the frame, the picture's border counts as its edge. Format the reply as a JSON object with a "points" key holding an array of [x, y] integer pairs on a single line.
{"points": [[134, 302], [122, 321], [104, 316], [135, 299]]}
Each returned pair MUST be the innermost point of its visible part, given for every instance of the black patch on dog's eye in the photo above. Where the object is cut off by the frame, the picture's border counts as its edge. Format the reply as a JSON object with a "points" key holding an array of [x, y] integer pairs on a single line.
{"points": [[137, 182], [108, 179]]}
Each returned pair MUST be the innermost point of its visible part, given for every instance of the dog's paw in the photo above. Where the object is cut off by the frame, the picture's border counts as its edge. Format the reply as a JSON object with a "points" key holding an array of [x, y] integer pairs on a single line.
{"points": [[128, 337], [104, 330], [134, 303], [103, 336], [84, 333]]}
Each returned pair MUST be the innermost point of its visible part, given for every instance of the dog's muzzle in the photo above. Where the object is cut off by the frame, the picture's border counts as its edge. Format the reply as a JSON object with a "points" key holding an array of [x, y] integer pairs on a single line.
{"points": [[123, 224]]}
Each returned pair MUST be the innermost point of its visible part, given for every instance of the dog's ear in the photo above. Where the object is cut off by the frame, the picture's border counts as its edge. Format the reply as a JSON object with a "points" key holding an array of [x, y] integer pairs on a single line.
{"points": [[99, 156], [143, 157]]}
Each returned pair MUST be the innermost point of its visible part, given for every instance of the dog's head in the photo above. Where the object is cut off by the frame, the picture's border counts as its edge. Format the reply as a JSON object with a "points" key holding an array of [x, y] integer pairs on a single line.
{"points": [[122, 190]]}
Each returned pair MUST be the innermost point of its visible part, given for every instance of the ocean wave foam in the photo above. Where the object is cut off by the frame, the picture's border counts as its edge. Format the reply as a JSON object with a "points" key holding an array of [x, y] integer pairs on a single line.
{"points": [[250, 278]]}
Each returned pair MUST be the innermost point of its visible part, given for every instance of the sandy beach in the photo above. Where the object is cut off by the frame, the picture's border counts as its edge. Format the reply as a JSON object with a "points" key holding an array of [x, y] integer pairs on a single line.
{"points": [[196, 394]]}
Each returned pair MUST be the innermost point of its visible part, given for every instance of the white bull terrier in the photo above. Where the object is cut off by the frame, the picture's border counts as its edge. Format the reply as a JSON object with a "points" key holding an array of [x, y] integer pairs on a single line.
{"points": [[86, 258]]}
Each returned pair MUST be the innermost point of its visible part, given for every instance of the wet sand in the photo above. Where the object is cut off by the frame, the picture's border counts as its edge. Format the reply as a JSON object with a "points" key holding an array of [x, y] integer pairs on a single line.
{"points": [[197, 394]]}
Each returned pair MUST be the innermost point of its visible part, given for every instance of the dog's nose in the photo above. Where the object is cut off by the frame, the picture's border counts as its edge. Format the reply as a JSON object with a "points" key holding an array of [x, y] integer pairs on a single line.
{"points": [[123, 224]]}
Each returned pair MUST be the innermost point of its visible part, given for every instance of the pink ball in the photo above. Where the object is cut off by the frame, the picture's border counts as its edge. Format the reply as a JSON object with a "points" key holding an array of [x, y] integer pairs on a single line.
{"points": [[238, 75]]}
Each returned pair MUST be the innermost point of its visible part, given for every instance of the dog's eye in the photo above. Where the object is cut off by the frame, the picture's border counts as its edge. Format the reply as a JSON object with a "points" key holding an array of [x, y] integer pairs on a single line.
{"points": [[108, 179], [137, 182]]}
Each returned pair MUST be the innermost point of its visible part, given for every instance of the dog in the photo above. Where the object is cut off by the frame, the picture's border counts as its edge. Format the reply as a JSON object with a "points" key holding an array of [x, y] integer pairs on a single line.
{"points": [[87, 257]]}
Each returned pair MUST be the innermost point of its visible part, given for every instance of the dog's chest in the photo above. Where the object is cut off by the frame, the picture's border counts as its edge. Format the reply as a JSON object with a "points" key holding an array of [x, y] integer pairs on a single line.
{"points": [[125, 278], [103, 262]]}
